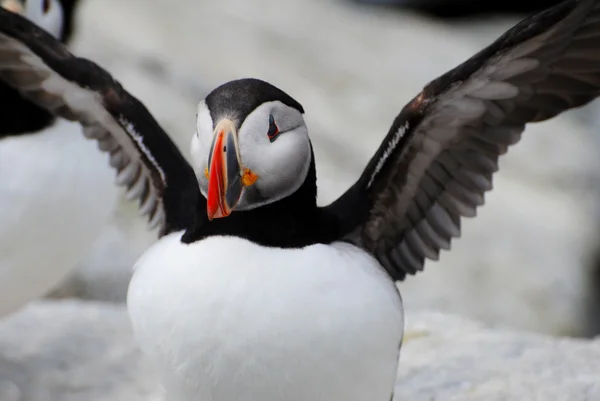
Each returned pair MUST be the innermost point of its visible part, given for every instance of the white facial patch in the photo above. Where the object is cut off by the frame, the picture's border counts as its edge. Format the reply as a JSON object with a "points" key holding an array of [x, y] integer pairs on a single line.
{"points": [[281, 165], [47, 14], [200, 146]]}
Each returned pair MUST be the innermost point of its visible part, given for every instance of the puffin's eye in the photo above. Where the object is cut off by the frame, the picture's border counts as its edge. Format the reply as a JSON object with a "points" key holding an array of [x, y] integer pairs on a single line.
{"points": [[46, 6], [273, 132]]}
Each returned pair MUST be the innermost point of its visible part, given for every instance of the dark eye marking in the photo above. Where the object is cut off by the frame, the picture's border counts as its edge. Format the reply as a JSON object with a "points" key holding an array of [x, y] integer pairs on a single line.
{"points": [[46, 6], [273, 132]]}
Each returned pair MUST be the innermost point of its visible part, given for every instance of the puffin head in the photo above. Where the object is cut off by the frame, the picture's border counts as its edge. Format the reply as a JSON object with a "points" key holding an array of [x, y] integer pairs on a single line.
{"points": [[53, 16], [251, 146]]}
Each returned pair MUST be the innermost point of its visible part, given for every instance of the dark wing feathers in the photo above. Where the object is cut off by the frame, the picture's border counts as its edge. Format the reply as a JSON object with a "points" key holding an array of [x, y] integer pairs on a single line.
{"points": [[438, 159], [147, 162]]}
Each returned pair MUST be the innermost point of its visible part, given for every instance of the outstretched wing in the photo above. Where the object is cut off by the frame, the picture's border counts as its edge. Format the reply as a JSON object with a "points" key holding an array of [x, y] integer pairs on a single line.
{"points": [[439, 156], [148, 163]]}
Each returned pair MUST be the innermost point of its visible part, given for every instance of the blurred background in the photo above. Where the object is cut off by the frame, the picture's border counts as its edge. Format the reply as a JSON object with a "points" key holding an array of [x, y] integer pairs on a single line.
{"points": [[529, 261], [530, 258]]}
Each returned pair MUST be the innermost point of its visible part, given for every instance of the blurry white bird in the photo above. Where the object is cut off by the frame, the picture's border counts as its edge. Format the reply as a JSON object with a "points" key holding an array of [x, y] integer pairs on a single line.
{"points": [[56, 191], [256, 293]]}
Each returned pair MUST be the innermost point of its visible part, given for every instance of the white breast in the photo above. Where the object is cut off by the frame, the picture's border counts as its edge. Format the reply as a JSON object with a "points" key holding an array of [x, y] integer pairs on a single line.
{"points": [[225, 319], [56, 193]]}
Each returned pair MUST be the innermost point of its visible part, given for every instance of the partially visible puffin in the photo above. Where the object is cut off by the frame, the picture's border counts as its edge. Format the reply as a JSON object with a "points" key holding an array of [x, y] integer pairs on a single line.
{"points": [[256, 293], [56, 191]]}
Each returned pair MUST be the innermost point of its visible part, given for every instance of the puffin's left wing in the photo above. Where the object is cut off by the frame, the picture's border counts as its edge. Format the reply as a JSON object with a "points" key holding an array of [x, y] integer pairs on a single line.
{"points": [[148, 163], [439, 156]]}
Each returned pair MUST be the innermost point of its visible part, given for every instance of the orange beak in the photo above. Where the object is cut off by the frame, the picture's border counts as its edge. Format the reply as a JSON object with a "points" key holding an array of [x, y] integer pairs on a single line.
{"points": [[224, 172]]}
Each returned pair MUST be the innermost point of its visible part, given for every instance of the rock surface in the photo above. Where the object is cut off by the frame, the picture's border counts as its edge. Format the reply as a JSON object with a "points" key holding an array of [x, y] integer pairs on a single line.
{"points": [[524, 262], [72, 351], [78, 351], [446, 358]]}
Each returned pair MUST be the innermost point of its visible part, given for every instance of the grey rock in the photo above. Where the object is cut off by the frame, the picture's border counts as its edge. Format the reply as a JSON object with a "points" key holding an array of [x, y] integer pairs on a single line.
{"points": [[84, 351], [446, 358], [524, 262], [72, 351]]}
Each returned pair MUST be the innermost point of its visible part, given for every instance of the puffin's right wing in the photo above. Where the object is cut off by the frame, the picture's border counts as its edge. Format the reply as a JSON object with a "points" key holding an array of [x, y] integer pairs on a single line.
{"points": [[439, 156], [148, 163]]}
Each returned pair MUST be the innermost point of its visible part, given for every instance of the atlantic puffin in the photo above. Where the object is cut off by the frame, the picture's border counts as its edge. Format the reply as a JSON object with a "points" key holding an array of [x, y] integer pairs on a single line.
{"points": [[56, 191], [254, 291]]}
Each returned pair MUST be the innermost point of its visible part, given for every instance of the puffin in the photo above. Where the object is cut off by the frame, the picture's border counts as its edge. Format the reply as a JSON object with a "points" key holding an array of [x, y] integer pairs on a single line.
{"points": [[253, 290], [56, 190]]}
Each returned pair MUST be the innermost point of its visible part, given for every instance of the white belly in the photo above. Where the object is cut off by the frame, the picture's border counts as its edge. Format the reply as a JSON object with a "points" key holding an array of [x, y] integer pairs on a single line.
{"points": [[56, 193], [227, 320]]}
